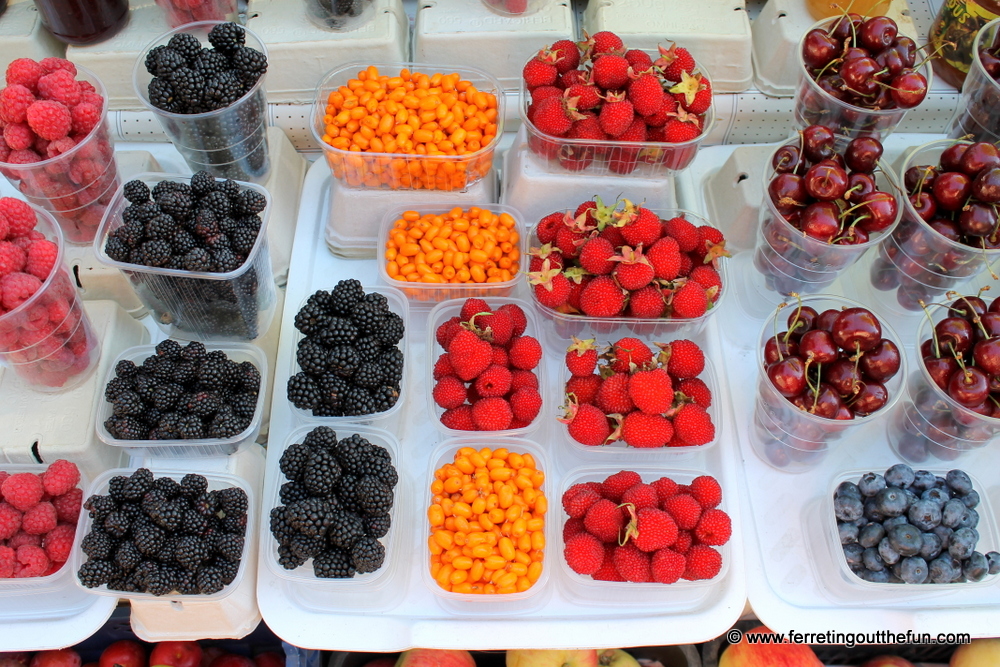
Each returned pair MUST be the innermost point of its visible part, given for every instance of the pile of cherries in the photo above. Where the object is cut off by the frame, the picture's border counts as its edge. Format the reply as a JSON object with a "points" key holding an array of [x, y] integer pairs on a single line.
{"points": [[832, 364], [829, 195], [865, 62]]}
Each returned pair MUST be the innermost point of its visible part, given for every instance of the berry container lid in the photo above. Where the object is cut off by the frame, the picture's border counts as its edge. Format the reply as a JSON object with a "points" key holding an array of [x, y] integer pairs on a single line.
{"points": [[238, 352], [440, 314], [495, 604], [216, 481], [563, 326], [847, 586], [397, 304], [397, 171], [683, 595], [182, 308], [419, 292], [381, 589]]}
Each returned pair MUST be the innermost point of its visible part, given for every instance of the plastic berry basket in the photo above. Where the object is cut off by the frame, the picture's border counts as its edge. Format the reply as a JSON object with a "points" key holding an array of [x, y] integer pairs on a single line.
{"points": [[848, 582], [200, 305], [381, 589], [397, 304], [216, 481], [200, 447], [494, 604], [613, 158], [419, 292], [582, 589], [53, 582], [401, 171], [451, 308]]}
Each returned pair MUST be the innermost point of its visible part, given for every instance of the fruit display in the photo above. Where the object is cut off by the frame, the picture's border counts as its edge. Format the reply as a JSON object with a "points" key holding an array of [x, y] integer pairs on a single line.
{"points": [[825, 206], [949, 230], [181, 12], [182, 393], [485, 379], [132, 653], [57, 149], [624, 529], [157, 535], [38, 516], [912, 527], [408, 146], [859, 75], [643, 399], [349, 356], [487, 521], [195, 251], [336, 505], [601, 107]]}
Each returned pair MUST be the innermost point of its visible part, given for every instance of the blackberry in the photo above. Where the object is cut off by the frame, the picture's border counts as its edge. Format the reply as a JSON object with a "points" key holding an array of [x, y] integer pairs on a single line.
{"points": [[367, 555], [145, 571], [226, 423], [203, 403], [368, 375], [368, 317], [249, 62], [139, 482], [225, 260], [132, 512], [312, 357], [186, 44], [178, 205], [230, 546], [115, 486], [374, 497], [99, 507], [194, 523], [345, 295], [302, 391], [162, 583], [346, 492], [117, 386], [386, 473], [229, 570], [313, 316], [251, 222], [193, 351], [190, 428], [155, 253], [343, 360], [249, 376], [168, 486], [243, 240], [358, 402], [234, 501], [306, 547], [166, 396], [309, 517], [280, 528], [185, 373], [392, 330], [167, 61], [168, 550], [198, 260], [293, 460], [205, 223], [292, 492], [333, 564], [391, 362], [169, 349], [143, 213], [250, 202], [168, 515], [244, 405], [98, 545], [215, 373], [193, 485], [161, 227], [339, 331], [209, 63], [136, 192], [116, 524], [369, 348], [321, 437], [126, 428], [191, 551], [385, 397], [227, 225], [222, 89], [353, 454], [187, 583], [96, 573], [321, 473], [162, 96], [380, 301], [287, 559], [230, 187], [378, 526], [189, 86], [225, 37], [145, 384], [346, 528], [151, 56], [128, 404], [117, 249], [127, 557], [234, 523]]}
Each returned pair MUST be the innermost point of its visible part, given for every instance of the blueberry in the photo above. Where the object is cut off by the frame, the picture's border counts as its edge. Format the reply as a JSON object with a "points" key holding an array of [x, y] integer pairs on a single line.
{"points": [[876, 576], [970, 520], [944, 533], [905, 539], [891, 502], [899, 475], [931, 547], [935, 495], [848, 533], [871, 483], [895, 521], [924, 514], [953, 512], [888, 554], [852, 552], [993, 558], [911, 497], [923, 480], [871, 513], [872, 560], [963, 543], [944, 569], [870, 535], [971, 499], [847, 489], [976, 567], [848, 509], [941, 482], [958, 482], [913, 570]]}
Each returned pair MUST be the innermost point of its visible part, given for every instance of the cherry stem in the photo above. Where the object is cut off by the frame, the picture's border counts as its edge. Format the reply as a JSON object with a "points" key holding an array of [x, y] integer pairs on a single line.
{"points": [[934, 336], [777, 341]]}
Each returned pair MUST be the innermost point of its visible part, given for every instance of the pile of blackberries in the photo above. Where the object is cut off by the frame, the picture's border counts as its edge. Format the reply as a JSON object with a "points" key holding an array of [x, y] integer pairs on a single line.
{"points": [[335, 505], [161, 536], [182, 393], [351, 365]]}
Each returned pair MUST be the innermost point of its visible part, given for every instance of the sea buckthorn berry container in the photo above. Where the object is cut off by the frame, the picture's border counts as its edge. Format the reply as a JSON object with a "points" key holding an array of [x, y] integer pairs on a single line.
{"points": [[182, 12], [47, 340], [978, 112], [373, 150], [339, 15]]}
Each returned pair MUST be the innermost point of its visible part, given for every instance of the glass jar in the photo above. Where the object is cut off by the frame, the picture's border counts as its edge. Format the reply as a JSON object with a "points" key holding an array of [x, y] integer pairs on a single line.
{"points": [[83, 21], [952, 33]]}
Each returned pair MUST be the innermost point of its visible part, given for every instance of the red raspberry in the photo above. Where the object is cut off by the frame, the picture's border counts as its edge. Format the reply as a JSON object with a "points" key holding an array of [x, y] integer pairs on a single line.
{"points": [[449, 392], [493, 382], [584, 387], [26, 156], [641, 495], [651, 390], [12, 258], [707, 491], [520, 379], [14, 103], [653, 529], [525, 352], [41, 145], [86, 116], [87, 172], [714, 528], [525, 403], [696, 389], [49, 120], [41, 258], [500, 356], [692, 423], [682, 231], [577, 499], [684, 509], [24, 72], [498, 326], [632, 564], [690, 301], [667, 566], [629, 351], [608, 571], [459, 419], [612, 396], [50, 65], [60, 86], [58, 544], [686, 360], [585, 423], [40, 519], [22, 538], [60, 477], [33, 562], [59, 146], [3, 476], [4, 150], [10, 521], [517, 318], [584, 553], [604, 520], [684, 541], [22, 490], [581, 357], [492, 414], [8, 557], [19, 216], [68, 505], [665, 487], [472, 307], [16, 288], [442, 367], [703, 562], [18, 136], [615, 486], [643, 430], [572, 527]]}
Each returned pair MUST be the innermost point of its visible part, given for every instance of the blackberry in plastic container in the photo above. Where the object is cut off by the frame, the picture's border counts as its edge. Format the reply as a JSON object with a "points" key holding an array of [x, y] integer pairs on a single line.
{"points": [[335, 14]]}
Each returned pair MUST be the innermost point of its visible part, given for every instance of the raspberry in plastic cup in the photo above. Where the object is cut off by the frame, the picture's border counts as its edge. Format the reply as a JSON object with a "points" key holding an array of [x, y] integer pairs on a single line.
{"points": [[182, 12], [77, 184], [978, 112], [48, 340]]}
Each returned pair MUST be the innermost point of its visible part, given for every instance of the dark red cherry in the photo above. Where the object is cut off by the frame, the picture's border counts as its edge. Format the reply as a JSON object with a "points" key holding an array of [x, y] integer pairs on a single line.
{"points": [[843, 376], [820, 220], [969, 307], [908, 88], [978, 219], [856, 329], [845, 27], [817, 346], [863, 154], [907, 50], [951, 189], [817, 143], [825, 403], [920, 177], [954, 333], [882, 362], [877, 33], [853, 235], [786, 159], [859, 74], [990, 320], [872, 396], [858, 185], [801, 320], [991, 63], [777, 348], [924, 204], [787, 192], [951, 157], [941, 369], [819, 48], [825, 182], [946, 228], [844, 413], [968, 387], [891, 61], [826, 319], [986, 186], [986, 354], [788, 376], [877, 211], [977, 157]]}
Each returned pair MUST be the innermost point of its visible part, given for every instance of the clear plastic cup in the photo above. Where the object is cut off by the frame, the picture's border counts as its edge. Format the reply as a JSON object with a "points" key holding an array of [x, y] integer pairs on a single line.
{"points": [[978, 112], [398, 171], [182, 12], [227, 143], [793, 440], [791, 261], [815, 106], [918, 263], [339, 15], [610, 158], [200, 305], [48, 341], [515, 8], [75, 186]]}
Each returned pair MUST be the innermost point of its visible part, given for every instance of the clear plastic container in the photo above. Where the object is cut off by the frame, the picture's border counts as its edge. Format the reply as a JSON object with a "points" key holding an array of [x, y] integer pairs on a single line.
{"points": [[582, 589], [792, 262], [381, 589], [398, 171], [75, 186], [815, 106], [790, 439], [229, 142], [496, 604], [978, 112], [917, 263], [566, 325], [397, 304], [338, 15], [443, 312], [611, 158], [216, 481], [48, 341], [200, 305], [182, 12], [989, 540], [434, 292], [187, 448], [515, 8]]}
